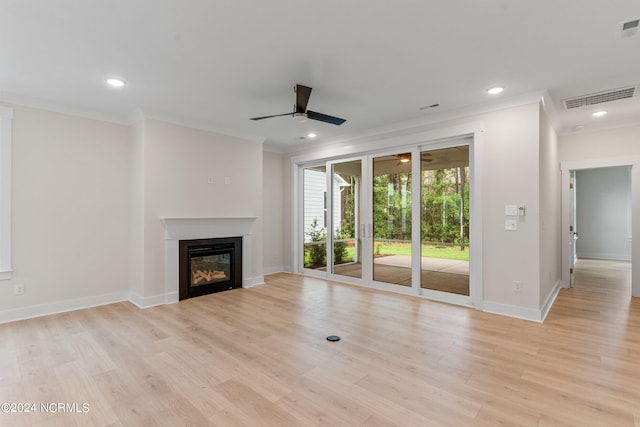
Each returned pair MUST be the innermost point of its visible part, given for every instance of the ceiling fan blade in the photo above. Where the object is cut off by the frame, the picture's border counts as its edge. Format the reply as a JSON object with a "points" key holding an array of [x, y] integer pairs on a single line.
{"points": [[268, 117], [325, 118], [302, 98]]}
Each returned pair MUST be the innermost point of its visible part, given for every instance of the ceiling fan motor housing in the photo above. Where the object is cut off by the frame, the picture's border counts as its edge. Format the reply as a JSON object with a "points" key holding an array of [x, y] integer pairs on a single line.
{"points": [[300, 117]]}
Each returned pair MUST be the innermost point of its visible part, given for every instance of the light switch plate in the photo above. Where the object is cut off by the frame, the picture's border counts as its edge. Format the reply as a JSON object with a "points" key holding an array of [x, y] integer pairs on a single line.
{"points": [[511, 210], [510, 224]]}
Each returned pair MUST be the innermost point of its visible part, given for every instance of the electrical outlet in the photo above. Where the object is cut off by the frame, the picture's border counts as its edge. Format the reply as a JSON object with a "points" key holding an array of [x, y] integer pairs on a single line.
{"points": [[211, 180], [18, 289], [517, 286]]}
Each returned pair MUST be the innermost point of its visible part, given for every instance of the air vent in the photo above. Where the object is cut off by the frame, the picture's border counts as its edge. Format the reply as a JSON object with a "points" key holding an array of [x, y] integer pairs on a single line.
{"points": [[600, 97]]}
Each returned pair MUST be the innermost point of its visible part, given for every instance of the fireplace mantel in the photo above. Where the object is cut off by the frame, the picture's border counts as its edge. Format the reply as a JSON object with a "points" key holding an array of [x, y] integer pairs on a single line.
{"points": [[177, 229], [196, 228]]}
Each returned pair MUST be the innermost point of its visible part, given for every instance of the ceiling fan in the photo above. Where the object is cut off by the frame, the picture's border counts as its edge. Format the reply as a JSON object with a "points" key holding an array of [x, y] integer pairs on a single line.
{"points": [[300, 112], [404, 158]]}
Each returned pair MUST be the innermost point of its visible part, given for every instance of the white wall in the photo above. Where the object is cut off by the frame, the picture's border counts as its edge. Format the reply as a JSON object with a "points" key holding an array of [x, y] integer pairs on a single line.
{"points": [[602, 144], [603, 206], [550, 212], [510, 168], [609, 148], [88, 197], [272, 188], [177, 164], [136, 136], [71, 206]]}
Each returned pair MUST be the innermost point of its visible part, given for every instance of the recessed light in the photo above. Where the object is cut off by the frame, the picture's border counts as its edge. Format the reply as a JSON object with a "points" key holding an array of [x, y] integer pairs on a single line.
{"points": [[115, 82], [495, 90], [311, 135], [599, 113]]}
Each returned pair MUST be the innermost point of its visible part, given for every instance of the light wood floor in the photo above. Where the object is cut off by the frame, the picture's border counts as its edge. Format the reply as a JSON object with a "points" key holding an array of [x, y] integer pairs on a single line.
{"points": [[258, 357]]}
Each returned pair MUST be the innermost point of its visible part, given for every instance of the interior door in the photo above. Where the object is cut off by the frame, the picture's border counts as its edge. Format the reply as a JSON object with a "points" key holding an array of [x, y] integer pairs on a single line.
{"points": [[573, 232]]}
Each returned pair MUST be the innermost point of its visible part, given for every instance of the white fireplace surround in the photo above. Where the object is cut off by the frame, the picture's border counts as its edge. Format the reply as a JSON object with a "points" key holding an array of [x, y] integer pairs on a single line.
{"points": [[177, 229]]}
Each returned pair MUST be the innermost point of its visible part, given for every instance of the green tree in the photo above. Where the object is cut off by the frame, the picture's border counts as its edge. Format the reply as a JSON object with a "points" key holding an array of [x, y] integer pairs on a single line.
{"points": [[317, 251], [339, 248]]}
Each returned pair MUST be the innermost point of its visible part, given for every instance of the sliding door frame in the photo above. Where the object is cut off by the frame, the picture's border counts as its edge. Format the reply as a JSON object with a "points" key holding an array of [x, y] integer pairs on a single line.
{"points": [[470, 134]]}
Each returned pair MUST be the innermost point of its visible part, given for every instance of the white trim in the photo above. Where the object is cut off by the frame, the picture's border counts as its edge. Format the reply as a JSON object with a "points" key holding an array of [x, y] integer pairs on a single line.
{"points": [[550, 109], [447, 297], [602, 255], [599, 163], [476, 221], [140, 114], [6, 118], [518, 312], [253, 281], [129, 119], [29, 312], [204, 228], [27, 101], [434, 118], [146, 302], [551, 298], [433, 136], [566, 167]]}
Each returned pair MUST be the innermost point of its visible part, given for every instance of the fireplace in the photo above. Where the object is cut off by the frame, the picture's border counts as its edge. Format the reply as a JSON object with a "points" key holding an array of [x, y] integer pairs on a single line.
{"points": [[183, 229], [209, 265]]}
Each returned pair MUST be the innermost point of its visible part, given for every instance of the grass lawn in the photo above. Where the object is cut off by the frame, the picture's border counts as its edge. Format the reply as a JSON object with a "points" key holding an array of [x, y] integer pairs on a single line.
{"points": [[398, 248], [428, 251]]}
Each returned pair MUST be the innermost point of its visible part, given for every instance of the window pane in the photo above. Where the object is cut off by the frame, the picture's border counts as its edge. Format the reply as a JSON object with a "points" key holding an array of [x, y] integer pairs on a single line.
{"points": [[444, 209], [392, 219]]}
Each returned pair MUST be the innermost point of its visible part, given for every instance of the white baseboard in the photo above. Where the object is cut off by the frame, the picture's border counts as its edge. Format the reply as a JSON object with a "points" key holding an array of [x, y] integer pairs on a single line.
{"points": [[253, 281], [600, 255], [524, 313], [550, 300], [139, 301], [146, 302], [273, 270], [32, 311]]}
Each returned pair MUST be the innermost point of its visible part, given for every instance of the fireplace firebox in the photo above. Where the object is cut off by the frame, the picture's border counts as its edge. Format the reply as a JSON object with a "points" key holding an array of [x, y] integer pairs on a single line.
{"points": [[209, 265]]}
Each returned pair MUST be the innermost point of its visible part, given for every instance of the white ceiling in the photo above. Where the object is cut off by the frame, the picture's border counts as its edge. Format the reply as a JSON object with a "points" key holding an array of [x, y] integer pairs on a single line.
{"points": [[215, 63]]}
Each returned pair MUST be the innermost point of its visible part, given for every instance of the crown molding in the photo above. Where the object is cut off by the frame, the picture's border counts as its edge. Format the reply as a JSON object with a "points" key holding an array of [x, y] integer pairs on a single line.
{"points": [[550, 109], [135, 116], [620, 124], [445, 116], [43, 104], [141, 113]]}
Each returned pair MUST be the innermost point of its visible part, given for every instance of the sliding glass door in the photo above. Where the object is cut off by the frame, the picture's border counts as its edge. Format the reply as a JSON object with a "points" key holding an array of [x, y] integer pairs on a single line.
{"points": [[391, 212], [444, 225], [331, 222], [314, 217], [394, 220], [346, 242]]}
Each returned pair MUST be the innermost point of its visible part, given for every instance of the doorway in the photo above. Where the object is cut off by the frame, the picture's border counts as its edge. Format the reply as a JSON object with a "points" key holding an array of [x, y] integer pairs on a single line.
{"points": [[598, 200]]}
